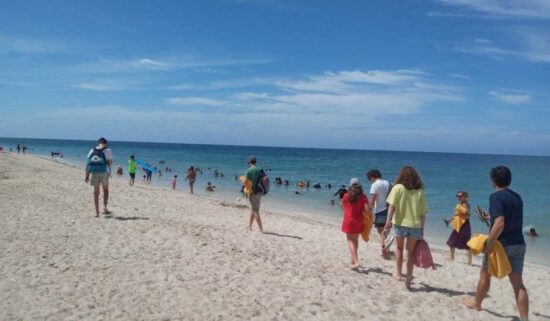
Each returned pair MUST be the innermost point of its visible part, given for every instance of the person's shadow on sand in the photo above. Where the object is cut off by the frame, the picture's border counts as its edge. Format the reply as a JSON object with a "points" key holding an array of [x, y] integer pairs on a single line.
{"points": [[373, 270], [448, 292], [130, 218], [283, 235]]}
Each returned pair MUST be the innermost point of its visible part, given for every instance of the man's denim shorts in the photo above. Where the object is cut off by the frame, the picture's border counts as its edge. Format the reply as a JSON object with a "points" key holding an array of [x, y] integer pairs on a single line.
{"points": [[516, 255], [403, 231]]}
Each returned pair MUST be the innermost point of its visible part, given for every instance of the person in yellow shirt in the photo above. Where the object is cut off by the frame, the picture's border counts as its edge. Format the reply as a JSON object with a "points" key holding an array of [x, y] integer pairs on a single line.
{"points": [[407, 212], [460, 223]]}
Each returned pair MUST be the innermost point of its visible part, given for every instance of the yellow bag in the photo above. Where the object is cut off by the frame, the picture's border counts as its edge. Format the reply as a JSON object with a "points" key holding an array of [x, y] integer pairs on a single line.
{"points": [[247, 185], [367, 224], [498, 263]]}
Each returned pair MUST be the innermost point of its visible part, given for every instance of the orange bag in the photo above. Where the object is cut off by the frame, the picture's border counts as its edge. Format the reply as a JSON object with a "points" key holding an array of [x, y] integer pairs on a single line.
{"points": [[367, 224]]}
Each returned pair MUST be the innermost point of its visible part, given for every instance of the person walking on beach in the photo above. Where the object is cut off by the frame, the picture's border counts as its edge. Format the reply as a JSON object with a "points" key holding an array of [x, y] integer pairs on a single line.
{"points": [[407, 212], [100, 159], [191, 177], [132, 170], [253, 173], [460, 223], [379, 191], [353, 204], [506, 210]]}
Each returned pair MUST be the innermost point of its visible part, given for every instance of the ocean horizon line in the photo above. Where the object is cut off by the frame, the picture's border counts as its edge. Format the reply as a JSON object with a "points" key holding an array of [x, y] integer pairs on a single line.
{"points": [[288, 147]]}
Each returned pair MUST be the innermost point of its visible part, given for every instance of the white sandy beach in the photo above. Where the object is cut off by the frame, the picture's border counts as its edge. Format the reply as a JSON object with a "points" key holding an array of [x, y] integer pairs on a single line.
{"points": [[168, 255]]}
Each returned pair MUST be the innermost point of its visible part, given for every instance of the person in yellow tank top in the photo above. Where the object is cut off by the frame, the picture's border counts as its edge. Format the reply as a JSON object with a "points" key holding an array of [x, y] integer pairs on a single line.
{"points": [[460, 223]]}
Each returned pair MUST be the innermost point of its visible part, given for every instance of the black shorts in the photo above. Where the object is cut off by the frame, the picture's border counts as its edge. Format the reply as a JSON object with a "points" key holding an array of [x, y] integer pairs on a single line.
{"points": [[132, 175], [380, 218]]}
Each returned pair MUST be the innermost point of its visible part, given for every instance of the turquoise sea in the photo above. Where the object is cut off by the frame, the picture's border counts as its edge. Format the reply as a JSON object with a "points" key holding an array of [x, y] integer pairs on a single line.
{"points": [[443, 174]]}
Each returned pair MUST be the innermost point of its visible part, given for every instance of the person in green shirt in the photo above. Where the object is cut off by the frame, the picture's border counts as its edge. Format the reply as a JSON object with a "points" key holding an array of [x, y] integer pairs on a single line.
{"points": [[253, 174], [132, 170], [407, 212]]}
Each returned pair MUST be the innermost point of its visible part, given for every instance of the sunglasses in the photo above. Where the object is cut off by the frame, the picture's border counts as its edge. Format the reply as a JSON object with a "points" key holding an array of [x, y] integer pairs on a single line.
{"points": [[459, 195]]}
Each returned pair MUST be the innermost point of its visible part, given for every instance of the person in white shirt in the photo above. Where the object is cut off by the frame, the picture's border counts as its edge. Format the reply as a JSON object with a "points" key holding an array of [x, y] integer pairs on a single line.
{"points": [[99, 162], [379, 191]]}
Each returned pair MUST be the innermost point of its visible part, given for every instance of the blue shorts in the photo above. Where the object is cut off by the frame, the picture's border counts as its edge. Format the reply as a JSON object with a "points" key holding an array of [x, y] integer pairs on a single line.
{"points": [[380, 218], [403, 231], [516, 255]]}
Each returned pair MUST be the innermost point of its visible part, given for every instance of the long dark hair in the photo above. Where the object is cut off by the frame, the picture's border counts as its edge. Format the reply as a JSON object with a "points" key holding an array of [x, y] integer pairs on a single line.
{"points": [[354, 192], [409, 177]]}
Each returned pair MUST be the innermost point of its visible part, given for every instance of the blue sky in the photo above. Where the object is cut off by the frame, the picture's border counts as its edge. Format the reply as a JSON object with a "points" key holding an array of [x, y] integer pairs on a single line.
{"points": [[441, 75]]}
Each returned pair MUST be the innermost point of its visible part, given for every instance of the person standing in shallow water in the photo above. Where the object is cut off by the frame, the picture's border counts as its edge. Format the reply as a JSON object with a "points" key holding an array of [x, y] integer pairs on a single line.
{"points": [[506, 210], [191, 177], [407, 212], [253, 173], [353, 203], [460, 223]]}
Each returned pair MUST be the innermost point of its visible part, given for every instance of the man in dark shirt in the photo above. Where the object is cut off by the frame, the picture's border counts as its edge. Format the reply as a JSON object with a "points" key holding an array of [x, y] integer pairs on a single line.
{"points": [[506, 210]]}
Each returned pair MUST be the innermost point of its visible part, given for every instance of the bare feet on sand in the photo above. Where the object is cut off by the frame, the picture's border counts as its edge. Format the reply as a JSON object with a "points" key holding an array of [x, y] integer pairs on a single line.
{"points": [[396, 276], [470, 303], [408, 282]]}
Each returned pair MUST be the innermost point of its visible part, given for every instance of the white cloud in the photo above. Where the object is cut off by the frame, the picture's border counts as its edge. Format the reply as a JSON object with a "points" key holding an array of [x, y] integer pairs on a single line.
{"points": [[33, 46], [536, 44], [228, 84], [344, 80], [511, 99], [146, 64], [151, 64], [247, 128], [366, 95], [529, 45], [505, 8], [193, 101], [486, 49], [459, 76], [107, 85]]}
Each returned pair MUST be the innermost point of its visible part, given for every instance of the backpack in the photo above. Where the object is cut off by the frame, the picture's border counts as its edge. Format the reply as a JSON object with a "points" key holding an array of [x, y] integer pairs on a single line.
{"points": [[97, 162], [262, 186], [390, 186]]}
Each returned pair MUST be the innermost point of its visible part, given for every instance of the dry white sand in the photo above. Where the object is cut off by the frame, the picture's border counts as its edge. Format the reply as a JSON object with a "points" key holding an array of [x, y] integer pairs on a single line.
{"points": [[168, 255]]}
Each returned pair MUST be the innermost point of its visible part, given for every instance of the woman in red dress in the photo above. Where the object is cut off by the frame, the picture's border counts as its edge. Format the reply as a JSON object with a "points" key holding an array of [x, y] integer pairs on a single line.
{"points": [[353, 204]]}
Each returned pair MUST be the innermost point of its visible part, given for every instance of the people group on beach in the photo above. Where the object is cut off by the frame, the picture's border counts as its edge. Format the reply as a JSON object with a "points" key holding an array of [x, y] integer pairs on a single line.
{"points": [[406, 215], [400, 207]]}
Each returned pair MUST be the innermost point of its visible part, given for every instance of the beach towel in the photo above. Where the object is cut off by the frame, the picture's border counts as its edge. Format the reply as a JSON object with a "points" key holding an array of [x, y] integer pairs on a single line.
{"points": [[247, 185], [498, 264], [423, 255], [367, 224]]}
